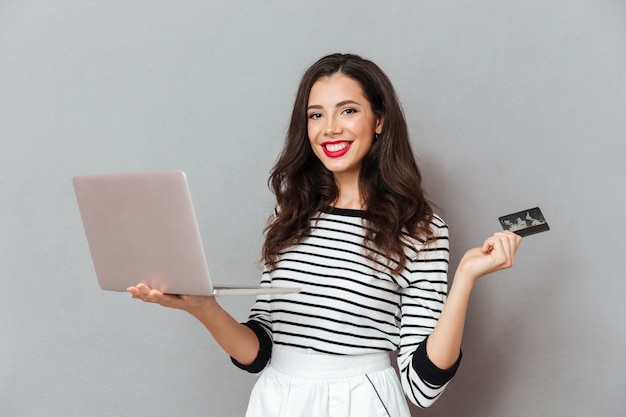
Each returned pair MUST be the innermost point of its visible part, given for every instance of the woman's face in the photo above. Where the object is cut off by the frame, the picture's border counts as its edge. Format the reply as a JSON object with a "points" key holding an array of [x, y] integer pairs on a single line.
{"points": [[341, 124]]}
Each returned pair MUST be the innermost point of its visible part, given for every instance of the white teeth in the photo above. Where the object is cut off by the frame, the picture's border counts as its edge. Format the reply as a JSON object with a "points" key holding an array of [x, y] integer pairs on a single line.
{"points": [[336, 147]]}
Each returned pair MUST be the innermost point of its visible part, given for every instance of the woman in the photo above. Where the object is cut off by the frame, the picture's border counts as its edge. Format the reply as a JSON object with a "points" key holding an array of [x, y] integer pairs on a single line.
{"points": [[354, 230]]}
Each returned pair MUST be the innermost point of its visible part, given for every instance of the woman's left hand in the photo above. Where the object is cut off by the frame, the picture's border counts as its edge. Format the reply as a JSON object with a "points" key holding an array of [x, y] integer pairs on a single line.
{"points": [[498, 252]]}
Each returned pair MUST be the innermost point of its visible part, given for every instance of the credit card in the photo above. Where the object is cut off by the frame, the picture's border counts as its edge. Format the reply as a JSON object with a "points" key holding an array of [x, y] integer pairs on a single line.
{"points": [[525, 222]]}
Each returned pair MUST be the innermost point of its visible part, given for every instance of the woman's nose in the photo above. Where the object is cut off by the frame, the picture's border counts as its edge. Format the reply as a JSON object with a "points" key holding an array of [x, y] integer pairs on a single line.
{"points": [[332, 127]]}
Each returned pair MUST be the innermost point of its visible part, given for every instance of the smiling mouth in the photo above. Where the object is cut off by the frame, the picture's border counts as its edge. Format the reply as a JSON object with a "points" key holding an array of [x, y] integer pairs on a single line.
{"points": [[336, 149]]}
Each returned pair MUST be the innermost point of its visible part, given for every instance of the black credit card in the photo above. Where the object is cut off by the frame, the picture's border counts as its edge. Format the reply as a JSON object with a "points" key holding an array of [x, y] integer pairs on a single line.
{"points": [[525, 222]]}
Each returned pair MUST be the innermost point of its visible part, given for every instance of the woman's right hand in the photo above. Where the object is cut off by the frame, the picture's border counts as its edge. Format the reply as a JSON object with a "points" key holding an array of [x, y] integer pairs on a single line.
{"points": [[192, 304]]}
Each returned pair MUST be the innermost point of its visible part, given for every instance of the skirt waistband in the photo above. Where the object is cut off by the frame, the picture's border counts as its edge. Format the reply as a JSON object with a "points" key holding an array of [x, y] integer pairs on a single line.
{"points": [[300, 364]]}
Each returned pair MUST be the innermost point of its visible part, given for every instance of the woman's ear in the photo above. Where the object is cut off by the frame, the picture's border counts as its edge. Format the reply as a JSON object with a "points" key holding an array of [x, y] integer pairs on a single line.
{"points": [[379, 125]]}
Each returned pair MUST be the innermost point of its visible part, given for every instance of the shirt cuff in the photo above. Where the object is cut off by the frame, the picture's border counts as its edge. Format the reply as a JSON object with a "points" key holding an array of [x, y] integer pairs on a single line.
{"points": [[265, 349], [428, 371]]}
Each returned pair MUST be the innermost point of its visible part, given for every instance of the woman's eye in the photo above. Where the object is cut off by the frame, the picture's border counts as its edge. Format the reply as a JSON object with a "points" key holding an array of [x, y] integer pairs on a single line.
{"points": [[315, 116], [349, 111]]}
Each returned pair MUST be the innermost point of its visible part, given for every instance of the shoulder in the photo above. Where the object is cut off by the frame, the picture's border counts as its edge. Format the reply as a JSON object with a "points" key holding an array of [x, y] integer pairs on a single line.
{"points": [[438, 223], [439, 227]]}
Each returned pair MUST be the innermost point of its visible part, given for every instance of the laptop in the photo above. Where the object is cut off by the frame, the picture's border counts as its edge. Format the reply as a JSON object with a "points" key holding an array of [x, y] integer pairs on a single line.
{"points": [[142, 228]]}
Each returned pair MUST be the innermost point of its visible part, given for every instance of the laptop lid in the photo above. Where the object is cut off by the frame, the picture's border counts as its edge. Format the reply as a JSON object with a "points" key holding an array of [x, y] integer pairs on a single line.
{"points": [[141, 227]]}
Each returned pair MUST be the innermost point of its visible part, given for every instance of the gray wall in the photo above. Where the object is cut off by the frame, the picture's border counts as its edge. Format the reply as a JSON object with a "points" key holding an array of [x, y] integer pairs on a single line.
{"points": [[511, 104]]}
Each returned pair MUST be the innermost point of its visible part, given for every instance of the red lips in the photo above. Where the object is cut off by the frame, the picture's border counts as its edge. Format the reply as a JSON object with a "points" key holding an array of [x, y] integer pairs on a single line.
{"points": [[336, 149]]}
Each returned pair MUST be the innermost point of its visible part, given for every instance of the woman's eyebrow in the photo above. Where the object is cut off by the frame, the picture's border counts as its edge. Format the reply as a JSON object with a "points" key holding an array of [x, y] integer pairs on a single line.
{"points": [[340, 104], [346, 102]]}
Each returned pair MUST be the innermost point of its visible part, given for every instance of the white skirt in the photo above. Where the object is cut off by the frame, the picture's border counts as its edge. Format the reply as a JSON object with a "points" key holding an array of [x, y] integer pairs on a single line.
{"points": [[297, 384]]}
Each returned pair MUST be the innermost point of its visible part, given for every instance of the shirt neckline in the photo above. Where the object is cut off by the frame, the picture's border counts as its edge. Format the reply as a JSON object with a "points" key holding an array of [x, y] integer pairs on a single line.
{"points": [[343, 211]]}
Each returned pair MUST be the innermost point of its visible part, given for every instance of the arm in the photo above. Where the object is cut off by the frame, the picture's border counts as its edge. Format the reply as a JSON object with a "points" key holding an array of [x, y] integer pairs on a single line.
{"points": [[498, 252], [422, 302], [236, 339]]}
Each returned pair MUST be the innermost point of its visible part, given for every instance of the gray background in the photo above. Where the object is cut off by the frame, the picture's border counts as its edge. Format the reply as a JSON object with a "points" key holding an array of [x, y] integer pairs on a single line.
{"points": [[511, 105]]}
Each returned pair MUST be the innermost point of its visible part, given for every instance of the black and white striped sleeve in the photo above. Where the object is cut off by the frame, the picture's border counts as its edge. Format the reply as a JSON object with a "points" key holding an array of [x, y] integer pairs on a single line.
{"points": [[421, 306]]}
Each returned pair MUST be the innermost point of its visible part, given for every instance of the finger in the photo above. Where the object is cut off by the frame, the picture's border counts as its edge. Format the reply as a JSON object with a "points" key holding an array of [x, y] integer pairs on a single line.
{"points": [[513, 241], [154, 296], [517, 239], [487, 246], [511, 238], [144, 293], [138, 291], [510, 235], [500, 250], [509, 243], [143, 288], [490, 243]]}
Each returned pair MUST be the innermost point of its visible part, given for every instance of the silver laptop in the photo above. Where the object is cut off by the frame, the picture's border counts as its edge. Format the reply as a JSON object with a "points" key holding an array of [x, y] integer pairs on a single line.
{"points": [[142, 228]]}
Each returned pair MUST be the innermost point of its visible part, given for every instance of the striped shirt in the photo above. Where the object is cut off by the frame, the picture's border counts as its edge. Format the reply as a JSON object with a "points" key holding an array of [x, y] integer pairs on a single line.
{"points": [[351, 304]]}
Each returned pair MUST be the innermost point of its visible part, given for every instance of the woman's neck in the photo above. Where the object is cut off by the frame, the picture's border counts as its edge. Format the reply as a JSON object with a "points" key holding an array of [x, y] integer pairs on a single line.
{"points": [[352, 204], [349, 196]]}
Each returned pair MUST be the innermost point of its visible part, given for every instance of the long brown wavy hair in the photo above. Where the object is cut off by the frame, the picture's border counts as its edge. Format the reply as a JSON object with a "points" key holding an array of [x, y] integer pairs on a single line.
{"points": [[390, 181]]}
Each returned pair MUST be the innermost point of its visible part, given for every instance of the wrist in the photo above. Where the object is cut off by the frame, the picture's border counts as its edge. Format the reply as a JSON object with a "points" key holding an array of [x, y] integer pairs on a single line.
{"points": [[207, 309], [463, 281]]}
